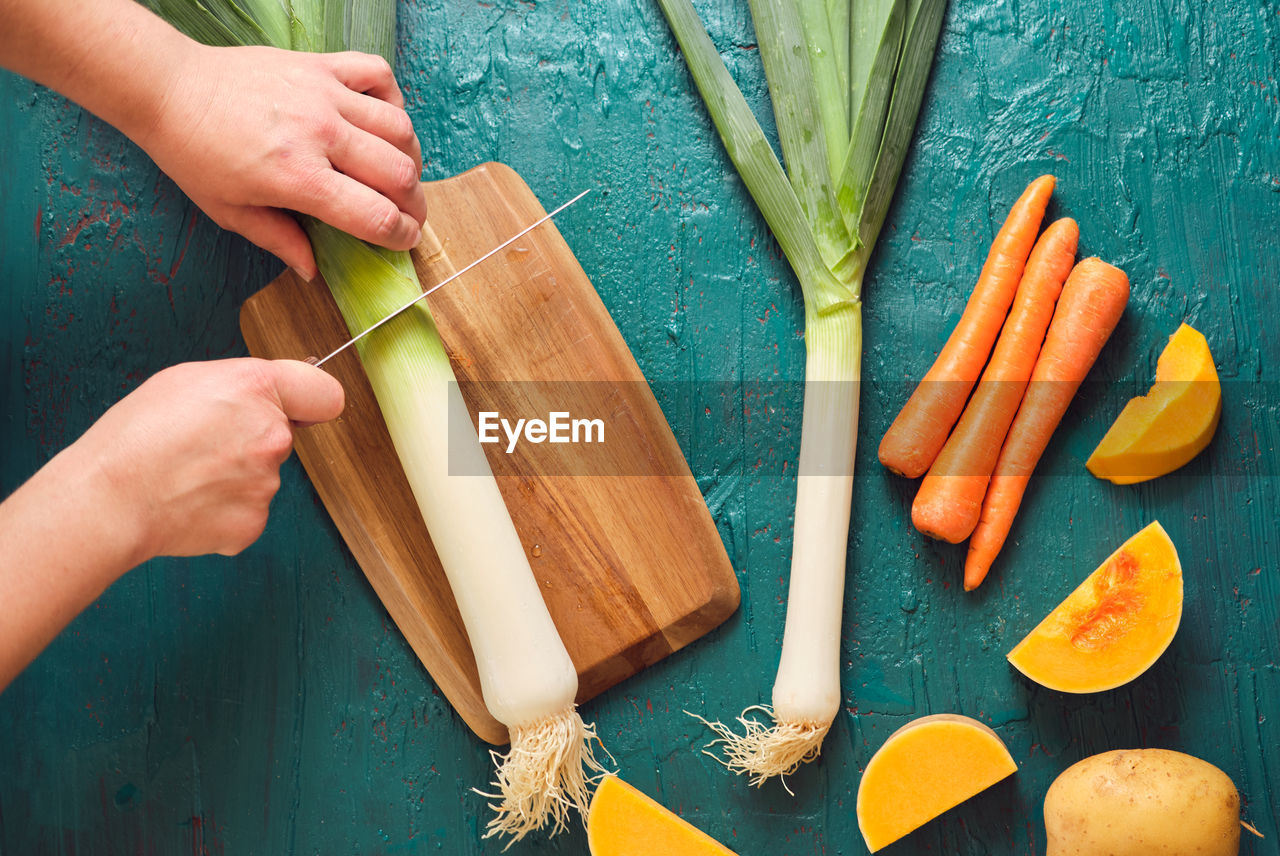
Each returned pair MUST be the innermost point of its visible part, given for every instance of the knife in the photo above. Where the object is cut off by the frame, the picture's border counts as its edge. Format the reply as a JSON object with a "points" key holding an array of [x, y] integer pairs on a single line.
{"points": [[526, 230]]}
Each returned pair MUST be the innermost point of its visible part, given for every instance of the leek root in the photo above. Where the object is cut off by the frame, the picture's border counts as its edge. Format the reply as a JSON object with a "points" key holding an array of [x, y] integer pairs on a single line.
{"points": [[544, 775], [764, 751]]}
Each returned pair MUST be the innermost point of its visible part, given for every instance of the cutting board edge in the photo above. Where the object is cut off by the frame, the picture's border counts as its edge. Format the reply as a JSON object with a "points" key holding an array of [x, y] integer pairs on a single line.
{"points": [[653, 649]]}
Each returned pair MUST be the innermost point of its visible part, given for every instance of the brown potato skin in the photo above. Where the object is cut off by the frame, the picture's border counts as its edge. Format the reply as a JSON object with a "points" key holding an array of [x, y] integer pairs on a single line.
{"points": [[1142, 802]]}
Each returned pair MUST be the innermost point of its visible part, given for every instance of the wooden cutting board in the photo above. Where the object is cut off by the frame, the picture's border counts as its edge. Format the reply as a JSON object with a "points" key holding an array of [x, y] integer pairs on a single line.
{"points": [[617, 532]]}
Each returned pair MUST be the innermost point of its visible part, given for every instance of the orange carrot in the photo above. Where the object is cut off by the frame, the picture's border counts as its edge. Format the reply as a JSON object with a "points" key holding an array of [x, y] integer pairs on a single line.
{"points": [[1090, 306], [914, 438], [950, 497]]}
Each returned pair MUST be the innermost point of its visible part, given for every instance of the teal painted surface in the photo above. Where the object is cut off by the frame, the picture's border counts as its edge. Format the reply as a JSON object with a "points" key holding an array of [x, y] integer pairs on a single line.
{"points": [[266, 704]]}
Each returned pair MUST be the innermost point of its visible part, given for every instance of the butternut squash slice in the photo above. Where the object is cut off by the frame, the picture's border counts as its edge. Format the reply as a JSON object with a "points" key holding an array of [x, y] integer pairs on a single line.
{"points": [[624, 822], [926, 767], [1158, 432], [1114, 626]]}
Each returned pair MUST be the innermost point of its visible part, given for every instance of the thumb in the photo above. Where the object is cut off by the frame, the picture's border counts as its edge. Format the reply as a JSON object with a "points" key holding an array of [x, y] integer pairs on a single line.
{"points": [[279, 234], [307, 394]]}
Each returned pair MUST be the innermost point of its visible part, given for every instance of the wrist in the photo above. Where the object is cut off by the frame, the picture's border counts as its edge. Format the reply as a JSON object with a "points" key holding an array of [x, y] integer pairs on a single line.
{"points": [[146, 77], [115, 61], [65, 536], [99, 510]]}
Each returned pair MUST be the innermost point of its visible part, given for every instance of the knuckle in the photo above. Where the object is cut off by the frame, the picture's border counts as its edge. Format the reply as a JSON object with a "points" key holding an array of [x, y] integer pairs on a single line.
{"points": [[400, 129], [282, 151], [382, 69], [252, 376], [277, 443], [384, 222], [314, 183], [245, 531], [404, 173], [269, 487], [325, 128]]}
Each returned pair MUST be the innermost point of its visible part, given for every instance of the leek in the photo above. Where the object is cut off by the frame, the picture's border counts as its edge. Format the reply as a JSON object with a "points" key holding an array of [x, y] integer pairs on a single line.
{"points": [[846, 80], [527, 678]]}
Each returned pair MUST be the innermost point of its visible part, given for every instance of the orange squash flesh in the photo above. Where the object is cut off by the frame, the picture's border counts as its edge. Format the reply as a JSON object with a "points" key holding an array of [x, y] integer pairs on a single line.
{"points": [[1158, 432], [928, 766], [1114, 626], [624, 822]]}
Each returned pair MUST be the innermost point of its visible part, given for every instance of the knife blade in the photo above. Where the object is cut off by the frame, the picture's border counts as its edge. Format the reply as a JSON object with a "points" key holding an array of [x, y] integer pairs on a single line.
{"points": [[508, 242]]}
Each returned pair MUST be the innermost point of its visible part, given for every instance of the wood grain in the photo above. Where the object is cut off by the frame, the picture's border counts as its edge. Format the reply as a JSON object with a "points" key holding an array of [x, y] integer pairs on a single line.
{"points": [[628, 558]]}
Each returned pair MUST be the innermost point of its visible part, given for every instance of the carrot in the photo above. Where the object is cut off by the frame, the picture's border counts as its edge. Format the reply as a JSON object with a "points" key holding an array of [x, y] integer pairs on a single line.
{"points": [[914, 438], [1090, 306], [950, 497]]}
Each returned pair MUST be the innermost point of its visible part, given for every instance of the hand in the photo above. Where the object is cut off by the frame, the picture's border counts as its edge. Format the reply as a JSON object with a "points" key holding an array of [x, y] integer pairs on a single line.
{"points": [[251, 133], [186, 464], [248, 133], [192, 456]]}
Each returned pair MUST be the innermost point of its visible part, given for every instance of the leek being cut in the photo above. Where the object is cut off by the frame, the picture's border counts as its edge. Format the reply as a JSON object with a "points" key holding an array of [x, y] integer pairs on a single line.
{"points": [[527, 679], [846, 78]]}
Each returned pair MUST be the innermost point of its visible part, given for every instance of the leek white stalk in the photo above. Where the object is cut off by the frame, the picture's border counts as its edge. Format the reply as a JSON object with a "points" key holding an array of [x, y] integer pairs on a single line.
{"points": [[806, 693], [526, 676], [846, 80]]}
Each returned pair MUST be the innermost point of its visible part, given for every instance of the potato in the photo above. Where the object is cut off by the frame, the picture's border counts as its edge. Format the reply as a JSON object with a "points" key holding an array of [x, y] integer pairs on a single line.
{"points": [[1142, 802]]}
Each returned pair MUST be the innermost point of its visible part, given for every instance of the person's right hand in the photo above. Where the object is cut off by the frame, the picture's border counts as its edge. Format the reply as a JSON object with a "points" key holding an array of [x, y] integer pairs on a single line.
{"points": [[192, 456]]}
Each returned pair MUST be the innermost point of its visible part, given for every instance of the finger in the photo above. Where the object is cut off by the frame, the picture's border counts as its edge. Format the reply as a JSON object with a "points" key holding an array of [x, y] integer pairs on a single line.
{"points": [[241, 527], [307, 394], [383, 120], [352, 206], [373, 161], [279, 234], [368, 73]]}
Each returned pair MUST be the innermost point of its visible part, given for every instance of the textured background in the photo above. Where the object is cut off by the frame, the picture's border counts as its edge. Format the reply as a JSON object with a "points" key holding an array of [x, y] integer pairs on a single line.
{"points": [[265, 704]]}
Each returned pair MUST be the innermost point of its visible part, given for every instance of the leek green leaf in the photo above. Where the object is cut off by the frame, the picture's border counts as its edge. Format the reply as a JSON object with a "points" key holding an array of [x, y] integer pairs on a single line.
{"points": [[753, 157], [797, 110], [873, 109], [921, 40]]}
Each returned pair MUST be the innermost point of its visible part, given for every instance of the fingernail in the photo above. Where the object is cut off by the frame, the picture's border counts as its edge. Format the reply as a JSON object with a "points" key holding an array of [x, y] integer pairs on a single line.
{"points": [[311, 361], [302, 275]]}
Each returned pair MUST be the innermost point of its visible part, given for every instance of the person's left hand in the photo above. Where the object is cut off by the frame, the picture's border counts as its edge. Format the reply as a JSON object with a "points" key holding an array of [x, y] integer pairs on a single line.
{"points": [[252, 133]]}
